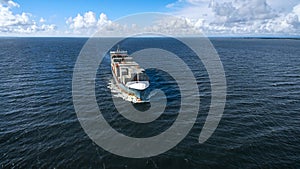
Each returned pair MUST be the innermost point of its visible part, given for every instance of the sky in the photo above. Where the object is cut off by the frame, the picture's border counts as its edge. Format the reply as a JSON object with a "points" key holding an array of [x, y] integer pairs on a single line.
{"points": [[212, 17]]}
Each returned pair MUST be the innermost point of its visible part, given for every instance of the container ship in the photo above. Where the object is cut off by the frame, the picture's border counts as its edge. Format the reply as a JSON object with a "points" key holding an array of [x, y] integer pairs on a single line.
{"points": [[129, 77]]}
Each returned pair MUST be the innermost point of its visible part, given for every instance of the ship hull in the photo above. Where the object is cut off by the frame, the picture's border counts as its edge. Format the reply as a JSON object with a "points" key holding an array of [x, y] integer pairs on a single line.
{"points": [[134, 95]]}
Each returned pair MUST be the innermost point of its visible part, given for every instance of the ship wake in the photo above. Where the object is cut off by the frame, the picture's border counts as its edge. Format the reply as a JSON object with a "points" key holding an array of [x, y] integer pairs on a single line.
{"points": [[117, 93]]}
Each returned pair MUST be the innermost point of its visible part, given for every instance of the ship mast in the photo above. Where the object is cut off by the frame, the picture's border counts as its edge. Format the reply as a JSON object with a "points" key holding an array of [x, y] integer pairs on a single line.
{"points": [[118, 49]]}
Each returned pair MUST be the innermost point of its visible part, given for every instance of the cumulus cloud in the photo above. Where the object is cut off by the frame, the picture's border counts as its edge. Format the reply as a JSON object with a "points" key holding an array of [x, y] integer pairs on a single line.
{"points": [[222, 17], [11, 23], [242, 11], [235, 17], [171, 25], [88, 20], [85, 23], [9, 3], [88, 23], [296, 10]]}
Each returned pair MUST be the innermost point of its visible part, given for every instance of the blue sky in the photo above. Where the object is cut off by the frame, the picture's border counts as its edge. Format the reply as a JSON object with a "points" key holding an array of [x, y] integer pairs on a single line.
{"points": [[113, 8], [55, 11], [213, 17]]}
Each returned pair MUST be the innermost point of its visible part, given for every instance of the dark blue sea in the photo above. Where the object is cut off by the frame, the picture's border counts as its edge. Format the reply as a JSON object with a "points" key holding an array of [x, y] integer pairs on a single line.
{"points": [[260, 126]]}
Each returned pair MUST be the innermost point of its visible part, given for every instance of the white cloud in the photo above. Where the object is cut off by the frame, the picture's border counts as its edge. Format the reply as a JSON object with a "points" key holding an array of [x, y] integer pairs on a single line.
{"points": [[88, 20], [250, 17], [81, 24], [11, 23], [283, 6], [103, 20], [42, 20], [296, 10], [222, 17], [88, 24], [9, 3], [176, 26]]}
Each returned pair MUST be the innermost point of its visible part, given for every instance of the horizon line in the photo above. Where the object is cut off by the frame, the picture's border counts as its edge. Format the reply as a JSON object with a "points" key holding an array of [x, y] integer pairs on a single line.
{"points": [[209, 36]]}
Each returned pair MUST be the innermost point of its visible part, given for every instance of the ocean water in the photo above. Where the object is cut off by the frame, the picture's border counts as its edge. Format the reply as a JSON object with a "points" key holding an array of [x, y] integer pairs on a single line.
{"points": [[260, 127]]}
